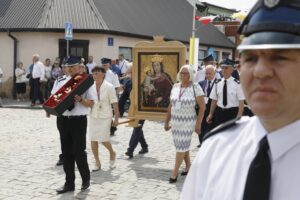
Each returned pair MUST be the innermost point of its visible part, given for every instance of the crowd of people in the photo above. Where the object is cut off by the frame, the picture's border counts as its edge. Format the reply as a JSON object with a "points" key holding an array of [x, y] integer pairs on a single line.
{"points": [[239, 158], [106, 100]]}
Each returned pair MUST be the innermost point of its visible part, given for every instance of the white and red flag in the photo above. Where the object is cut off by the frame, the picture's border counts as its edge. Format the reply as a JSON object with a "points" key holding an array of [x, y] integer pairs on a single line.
{"points": [[206, 19]]}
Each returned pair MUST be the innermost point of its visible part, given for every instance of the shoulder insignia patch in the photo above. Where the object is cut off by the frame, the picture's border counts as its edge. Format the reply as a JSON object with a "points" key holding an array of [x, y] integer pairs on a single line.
{"points": [[220, 128], [61, 79], [238, 82], [217, 80]]}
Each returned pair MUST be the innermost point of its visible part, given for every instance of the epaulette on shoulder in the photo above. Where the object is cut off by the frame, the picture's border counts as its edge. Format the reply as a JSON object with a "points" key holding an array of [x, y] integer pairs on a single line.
{"points": [[238, 82], [217, 80], [221, 127], [61, 79]]}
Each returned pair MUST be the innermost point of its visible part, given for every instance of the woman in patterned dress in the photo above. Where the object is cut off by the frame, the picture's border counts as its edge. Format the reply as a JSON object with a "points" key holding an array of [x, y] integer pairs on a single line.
{"points": [[183, 117]]}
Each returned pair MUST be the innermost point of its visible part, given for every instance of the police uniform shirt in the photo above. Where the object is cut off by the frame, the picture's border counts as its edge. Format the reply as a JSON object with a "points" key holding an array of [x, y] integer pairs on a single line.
{"points": [[59, 82], [220, 168], [112, 78], [80, 109], [234, 93]]}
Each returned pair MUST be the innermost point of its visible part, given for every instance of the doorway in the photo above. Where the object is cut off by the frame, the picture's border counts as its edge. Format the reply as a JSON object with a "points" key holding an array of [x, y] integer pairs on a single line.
{"points": [[76, 48]]}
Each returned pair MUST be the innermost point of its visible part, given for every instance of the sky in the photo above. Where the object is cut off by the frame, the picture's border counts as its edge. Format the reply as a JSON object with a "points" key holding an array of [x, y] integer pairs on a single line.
{"points": [[234, 4]]}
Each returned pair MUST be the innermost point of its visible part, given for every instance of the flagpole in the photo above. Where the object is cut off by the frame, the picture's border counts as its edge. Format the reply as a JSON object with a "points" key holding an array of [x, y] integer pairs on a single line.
{"points": [[194, 21], [192, 39]]}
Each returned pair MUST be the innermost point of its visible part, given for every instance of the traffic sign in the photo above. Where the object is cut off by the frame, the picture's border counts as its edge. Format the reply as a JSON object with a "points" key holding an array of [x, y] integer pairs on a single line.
{"points": [[68, 31]]}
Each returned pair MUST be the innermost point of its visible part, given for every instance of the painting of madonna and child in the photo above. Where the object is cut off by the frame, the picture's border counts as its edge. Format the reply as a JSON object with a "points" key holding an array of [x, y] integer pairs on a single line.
{"points": [[157, 74]]}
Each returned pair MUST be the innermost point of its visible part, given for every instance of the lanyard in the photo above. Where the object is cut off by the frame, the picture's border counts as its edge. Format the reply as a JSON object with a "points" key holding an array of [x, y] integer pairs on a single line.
{"points": [[181, 92], [98, 93]]}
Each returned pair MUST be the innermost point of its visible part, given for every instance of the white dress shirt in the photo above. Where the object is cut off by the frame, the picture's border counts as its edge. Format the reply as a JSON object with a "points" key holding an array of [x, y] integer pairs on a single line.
{"points": [[91, 66], [80, 109], [112, 78], [123, 65], [59, 82], [220, 168], [38, 70], [234, 93]]}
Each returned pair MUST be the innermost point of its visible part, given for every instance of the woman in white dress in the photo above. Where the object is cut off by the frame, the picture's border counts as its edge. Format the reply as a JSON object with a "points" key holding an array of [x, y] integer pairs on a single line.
{"points": [[184, 120], [101, 115]]}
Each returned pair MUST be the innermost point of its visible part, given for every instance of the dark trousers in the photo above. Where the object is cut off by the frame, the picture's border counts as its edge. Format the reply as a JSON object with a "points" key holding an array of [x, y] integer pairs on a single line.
{"points": [[223, 115], [59, 124], [137, 137], [31, 89], [73, 140], [205, 127], [37, 94], [48, 87], [122, 101]]}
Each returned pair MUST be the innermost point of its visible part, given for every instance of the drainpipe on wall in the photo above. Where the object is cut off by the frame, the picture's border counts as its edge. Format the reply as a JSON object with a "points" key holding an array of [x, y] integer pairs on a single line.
{"points": [[15, 62]]}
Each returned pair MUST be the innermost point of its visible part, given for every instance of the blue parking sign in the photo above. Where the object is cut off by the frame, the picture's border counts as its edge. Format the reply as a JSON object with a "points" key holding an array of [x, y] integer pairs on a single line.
{"points": [[68, 31]]}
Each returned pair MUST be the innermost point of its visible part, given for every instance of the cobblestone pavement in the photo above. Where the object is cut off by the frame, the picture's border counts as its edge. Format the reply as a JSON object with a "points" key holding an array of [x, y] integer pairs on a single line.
{"points": [[29, 149]]}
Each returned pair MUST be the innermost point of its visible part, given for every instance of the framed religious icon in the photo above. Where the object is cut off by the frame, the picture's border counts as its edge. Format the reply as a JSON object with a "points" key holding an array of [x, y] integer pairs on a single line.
{"points": [[155, 68]]}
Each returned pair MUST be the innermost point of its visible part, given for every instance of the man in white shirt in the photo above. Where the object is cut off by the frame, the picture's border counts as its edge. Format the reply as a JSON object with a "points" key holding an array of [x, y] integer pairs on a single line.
{"points": [[38, 75], [123, 64], [257, 158], [91, 64]]}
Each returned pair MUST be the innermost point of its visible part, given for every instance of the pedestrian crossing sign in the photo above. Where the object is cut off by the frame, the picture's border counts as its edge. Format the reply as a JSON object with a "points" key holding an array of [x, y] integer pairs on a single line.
{"points": [[68, 31]]}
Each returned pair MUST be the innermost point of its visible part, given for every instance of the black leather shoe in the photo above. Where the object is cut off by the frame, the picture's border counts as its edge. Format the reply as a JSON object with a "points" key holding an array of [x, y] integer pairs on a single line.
{"points": [[59, 162], [65, 188], [85, 185], [173, 180], [130, 155], [143, 151], [184, 173]]}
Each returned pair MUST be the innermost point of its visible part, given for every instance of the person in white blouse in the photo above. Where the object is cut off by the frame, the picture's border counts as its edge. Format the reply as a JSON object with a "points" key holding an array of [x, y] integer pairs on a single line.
{"points": [[101, 115], [258, 157], [21, 80]]}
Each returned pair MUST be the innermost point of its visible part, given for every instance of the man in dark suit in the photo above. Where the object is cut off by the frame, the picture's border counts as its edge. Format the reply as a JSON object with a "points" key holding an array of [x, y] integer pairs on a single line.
{"points": [[207, 85]]}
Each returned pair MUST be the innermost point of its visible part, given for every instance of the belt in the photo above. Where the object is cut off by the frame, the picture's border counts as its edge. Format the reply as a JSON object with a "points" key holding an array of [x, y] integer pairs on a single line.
{"points": [[225, 109], [74, 117]]}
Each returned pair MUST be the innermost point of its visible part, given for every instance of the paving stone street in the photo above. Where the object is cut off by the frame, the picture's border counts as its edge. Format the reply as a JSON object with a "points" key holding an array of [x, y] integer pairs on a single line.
{"points": [[29, 150]]}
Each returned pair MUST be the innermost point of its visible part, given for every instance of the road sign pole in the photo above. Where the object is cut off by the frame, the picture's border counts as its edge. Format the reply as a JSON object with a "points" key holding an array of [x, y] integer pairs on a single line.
{"points": [[67, 48]]}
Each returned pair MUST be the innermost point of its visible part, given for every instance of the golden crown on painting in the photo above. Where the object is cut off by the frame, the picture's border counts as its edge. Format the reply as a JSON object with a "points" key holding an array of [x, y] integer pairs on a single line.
{"points": [[156, 58]]}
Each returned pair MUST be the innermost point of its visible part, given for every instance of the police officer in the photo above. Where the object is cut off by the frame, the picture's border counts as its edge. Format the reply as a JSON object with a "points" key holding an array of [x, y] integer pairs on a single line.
{"points": [[227, 97], [73, 133], [207, 85], [258, 157], [58, 83]]}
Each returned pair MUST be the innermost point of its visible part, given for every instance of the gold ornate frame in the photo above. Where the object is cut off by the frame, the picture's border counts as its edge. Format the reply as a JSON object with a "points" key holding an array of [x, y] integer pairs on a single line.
{"points": [[172, 55]]}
